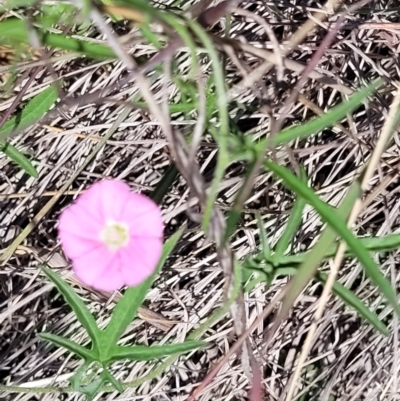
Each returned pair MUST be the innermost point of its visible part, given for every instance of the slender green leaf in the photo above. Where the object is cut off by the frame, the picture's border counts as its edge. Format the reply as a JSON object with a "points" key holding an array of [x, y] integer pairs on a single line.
{"points": [[336, 222], [32, 112], [265, 250], [75, 348], [81, 311], [257, 280], [384, 243], [293, 222], [113, 380], [338, 289], [164, 184], [346, 295], [149, 35], [15, 31], [373, 244], [342, 292], [308, 268], [237, 208], [248, 149], [232, 221], [328, 119], [143, 353], [126, 309], [16, 156], [354, 302]]}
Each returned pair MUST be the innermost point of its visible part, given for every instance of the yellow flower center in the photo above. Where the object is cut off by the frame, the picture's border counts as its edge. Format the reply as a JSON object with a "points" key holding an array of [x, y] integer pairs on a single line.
{"points": [[115, 235]]}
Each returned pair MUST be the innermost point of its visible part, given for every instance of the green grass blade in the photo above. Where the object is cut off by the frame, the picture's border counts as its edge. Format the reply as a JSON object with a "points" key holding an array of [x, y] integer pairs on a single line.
{"points": [[161, 189], [354, 302], [374, 244], [328, 119], [16, 156], [126, 309], [313, 126], [143, 353], [335, 221], [75, 348], [232, 221], [88, 49], [379, 244], [266, 250], [81, 311], [14, 31], [36, 108], [236, 210], [293, 222]]}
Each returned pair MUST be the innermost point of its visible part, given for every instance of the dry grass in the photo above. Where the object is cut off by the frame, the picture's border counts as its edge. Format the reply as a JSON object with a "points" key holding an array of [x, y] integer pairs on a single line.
{"points": [[348, 360]]}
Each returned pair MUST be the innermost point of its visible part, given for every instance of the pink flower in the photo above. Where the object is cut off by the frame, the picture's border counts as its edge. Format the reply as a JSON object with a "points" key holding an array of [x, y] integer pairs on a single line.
{"points": [[112, 235]]}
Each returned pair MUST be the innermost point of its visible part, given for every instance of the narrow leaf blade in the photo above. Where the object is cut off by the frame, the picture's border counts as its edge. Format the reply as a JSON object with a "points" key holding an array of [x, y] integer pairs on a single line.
{"points": [[75, 348], [354, 302], [14, 31], [263, 237], [81, 311], [372, 244], [16, 156], [143, 353], [113, 380], [328, 119], [292, 224], [32, 112]]}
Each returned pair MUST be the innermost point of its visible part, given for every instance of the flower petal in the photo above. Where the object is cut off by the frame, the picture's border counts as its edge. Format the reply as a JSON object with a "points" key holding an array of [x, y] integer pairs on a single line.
{"points": [[139, 259], [90, 266], [76, 220], [75, 246], [112, 278], [143, 217], [113, 195]]}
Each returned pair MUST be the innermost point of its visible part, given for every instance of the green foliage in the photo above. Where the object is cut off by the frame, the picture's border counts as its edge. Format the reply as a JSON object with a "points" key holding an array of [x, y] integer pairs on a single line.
{"points": [[15, 32], [104, 349], [17, 157], [32, 112], [244, 148], [35, 109], [339, 225], [269, 264]]}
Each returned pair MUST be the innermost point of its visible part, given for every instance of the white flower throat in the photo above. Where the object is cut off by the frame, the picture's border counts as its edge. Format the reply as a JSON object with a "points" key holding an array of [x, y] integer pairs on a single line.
{"points": [[115, 235]]}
